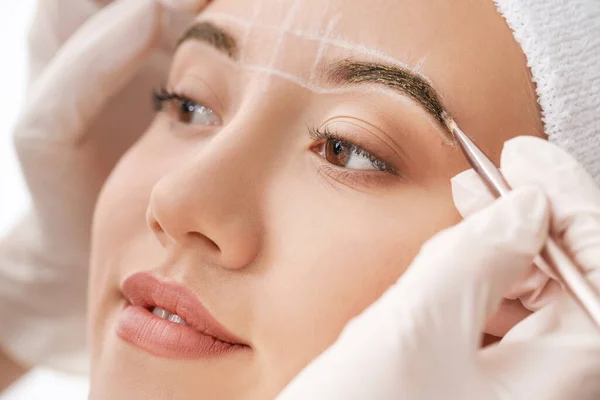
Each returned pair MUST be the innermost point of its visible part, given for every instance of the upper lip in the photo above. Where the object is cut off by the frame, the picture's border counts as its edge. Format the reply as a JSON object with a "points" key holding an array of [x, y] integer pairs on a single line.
{"points": [[145, 290]]}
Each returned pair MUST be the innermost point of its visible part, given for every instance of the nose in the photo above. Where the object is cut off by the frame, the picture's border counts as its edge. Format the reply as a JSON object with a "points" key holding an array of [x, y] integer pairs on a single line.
{"points": [[209, 206]]}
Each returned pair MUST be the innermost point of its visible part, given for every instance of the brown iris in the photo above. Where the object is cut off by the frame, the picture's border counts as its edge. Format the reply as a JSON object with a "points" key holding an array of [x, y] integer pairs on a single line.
{"points": [[337, 152], [186, 110]]}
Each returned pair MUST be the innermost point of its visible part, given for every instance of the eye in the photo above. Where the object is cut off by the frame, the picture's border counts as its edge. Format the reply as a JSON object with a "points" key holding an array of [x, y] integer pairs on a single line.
{"points": [[345, 154], [184, 109]]}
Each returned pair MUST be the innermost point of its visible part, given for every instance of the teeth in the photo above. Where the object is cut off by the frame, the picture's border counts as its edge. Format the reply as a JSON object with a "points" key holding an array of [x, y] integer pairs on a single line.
{"points": [[161, 313], [177, 319], [164, 314]]}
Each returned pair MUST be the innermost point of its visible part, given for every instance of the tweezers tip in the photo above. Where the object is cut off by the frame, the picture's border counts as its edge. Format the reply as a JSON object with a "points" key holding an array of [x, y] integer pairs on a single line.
{"points": [[451, 126]]}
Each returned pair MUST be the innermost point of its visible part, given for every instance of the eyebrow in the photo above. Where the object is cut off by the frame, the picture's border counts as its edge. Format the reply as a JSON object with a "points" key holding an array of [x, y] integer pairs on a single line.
{"points": [[345, 72], [212, 35], [400, 79]]}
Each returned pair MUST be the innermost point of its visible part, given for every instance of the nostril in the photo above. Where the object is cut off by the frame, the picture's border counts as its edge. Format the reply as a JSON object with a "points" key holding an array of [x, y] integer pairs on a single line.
{"points": [[204, 241], [158, 231], [156, 228]]}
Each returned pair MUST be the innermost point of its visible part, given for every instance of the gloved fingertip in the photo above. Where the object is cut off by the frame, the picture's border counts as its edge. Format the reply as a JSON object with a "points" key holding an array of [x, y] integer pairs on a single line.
{"points": [[469, 193], [534, 161], [504, 236], [190, 6], [527, 140], [534, 151], [503, 240], [532, 205]]}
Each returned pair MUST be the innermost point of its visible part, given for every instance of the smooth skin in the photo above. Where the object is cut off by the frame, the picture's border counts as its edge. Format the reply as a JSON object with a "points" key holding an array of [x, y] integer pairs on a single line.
{"points": [[282, 249]]}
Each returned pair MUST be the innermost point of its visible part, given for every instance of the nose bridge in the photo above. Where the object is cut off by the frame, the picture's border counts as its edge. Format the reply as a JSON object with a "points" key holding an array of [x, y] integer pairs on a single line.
{"points": [[239, 157], [212, 199]]}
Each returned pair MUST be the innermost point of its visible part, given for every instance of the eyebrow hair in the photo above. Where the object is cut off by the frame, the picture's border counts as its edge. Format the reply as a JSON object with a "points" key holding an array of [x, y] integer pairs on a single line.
{"points": [[417, 88], [213, 36], [344, 72]]}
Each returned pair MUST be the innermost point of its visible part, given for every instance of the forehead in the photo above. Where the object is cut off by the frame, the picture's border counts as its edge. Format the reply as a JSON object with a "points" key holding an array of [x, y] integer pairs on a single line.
{"points": [[463, 47], [304, 31], [428, 36], [402, 29]]}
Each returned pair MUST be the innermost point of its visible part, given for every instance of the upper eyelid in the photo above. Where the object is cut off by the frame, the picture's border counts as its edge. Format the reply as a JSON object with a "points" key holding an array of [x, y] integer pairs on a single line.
{"points": [[189, 91], [187, 75], [358, 122]]}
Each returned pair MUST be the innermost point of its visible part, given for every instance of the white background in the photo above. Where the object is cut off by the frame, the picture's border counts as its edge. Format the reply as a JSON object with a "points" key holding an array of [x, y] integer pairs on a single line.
{"points": [[15, 16], [14, 19]]}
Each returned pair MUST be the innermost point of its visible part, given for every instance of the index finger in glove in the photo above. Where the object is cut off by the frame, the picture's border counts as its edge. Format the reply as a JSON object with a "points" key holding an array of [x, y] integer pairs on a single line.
{"points": [[573, 195], [91, 66], [575, 204], [460, 276]]}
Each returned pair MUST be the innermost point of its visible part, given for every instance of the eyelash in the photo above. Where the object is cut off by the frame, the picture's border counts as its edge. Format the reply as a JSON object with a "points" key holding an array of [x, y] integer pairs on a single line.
{"points": [[325, 134], [188, 111], [163, 95]]}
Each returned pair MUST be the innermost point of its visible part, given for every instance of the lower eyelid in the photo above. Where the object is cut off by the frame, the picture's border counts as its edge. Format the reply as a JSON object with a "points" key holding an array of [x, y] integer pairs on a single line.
{"points": [[184, 131], [343, 177], [356, 179]]}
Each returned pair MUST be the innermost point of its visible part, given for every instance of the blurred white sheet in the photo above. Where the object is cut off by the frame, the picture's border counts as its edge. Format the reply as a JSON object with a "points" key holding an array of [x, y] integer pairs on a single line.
{"points": [[43, 384], [14, 21]]}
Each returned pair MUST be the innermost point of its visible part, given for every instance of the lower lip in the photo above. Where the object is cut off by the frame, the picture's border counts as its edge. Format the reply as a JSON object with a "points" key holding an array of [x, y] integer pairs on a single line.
{"points": [[164, 338]]}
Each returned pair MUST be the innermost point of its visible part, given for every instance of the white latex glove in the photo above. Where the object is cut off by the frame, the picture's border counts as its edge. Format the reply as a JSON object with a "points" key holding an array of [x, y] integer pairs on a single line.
{"points": [[421, 339], [93, 70], [55, 21]]}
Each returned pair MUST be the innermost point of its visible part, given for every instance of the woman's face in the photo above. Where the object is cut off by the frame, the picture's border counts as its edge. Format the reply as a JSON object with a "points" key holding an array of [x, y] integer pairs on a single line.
{"points": [[298, 192]]}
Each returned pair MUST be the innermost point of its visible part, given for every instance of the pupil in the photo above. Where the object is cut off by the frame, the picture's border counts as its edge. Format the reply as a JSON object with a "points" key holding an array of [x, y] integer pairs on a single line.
{"points": [[189, 107], [338, 147], [186, 111]]}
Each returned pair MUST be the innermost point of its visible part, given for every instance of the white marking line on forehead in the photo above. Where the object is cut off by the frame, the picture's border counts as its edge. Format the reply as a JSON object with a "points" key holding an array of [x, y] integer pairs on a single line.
{"points": [[250, 27], [344, 44], [322, 45], [285, 26], [418, 68], [285, 75], [315, 88]]}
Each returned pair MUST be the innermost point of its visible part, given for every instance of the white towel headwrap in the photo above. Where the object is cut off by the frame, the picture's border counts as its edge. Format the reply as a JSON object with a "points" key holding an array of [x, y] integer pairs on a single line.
{"points": [[561, 39]]}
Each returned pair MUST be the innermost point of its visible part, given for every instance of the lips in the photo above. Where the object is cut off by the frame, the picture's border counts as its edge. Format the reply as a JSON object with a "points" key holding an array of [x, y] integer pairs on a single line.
{"points": [[149, 321]]}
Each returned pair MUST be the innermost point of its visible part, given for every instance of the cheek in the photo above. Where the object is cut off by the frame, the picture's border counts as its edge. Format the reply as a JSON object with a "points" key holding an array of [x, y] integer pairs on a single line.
{"points": [[121, 208], [332, 253], [119, 230]]}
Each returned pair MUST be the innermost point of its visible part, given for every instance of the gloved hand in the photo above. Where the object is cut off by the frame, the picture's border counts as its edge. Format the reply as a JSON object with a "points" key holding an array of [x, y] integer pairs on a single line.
{"points": [[421, 339], [91, 75]]}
